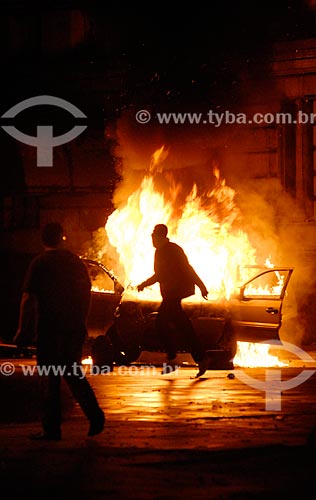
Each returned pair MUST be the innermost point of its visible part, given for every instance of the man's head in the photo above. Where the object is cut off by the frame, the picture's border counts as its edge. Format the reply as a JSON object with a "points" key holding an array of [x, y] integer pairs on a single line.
{"points": [[52, 235], [159, 235]]}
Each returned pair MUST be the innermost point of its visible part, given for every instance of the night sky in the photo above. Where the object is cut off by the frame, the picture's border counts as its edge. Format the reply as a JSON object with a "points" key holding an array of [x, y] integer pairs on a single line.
{"points": [[177, 53], [189, 54]]}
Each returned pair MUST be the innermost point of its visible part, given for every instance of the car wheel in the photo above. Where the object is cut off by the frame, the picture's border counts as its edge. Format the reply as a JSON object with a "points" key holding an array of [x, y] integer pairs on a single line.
{"points": [[102, 353], [123, 354], [222, 357]]}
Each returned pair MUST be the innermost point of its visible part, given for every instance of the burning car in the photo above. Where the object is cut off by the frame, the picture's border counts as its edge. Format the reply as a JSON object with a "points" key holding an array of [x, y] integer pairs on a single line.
{"points": [[247, 294], [253, 313]]}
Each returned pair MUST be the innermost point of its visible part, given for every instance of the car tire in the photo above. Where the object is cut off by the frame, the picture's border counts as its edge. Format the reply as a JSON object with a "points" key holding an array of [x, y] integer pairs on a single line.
{"points": [[103, 353], [222, 357], [122, 354], [228, 339]]}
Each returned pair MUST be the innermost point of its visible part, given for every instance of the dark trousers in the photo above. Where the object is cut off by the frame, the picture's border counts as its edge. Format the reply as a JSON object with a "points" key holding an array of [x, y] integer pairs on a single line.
{"points": [[170, 314], [51, 394]]}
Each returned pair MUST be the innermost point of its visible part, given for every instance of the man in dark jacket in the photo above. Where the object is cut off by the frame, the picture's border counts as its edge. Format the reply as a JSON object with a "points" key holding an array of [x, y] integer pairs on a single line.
{"points": [[56, 293], [177, 280]]}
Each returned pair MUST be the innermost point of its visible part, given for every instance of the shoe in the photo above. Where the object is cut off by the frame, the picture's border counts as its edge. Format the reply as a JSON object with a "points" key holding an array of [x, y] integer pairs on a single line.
{"points": [[97, 426], [45, 436], [203, 366], [169, 368]]}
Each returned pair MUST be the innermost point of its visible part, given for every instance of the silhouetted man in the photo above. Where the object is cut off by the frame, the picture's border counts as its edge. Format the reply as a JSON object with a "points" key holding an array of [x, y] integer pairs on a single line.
{"points": [[177, 280], [57, 293]]}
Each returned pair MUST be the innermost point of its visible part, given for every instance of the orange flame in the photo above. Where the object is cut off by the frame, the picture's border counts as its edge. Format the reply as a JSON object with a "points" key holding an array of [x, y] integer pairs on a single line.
{"points": [[253, 355], [87, 361], [204, 225]]}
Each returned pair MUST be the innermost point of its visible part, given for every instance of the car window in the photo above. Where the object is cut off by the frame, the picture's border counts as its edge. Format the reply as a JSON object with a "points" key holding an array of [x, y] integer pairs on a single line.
{"points": [[100, 281], [268, 284]]}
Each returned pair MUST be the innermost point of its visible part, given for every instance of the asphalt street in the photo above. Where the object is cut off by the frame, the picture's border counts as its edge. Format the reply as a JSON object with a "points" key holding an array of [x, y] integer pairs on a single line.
{"points": [[166, 436]]}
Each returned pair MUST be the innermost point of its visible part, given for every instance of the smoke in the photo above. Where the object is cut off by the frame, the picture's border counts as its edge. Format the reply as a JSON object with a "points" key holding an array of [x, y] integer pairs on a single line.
{"points": [[101, 250], [192, 155], [265, 210]]}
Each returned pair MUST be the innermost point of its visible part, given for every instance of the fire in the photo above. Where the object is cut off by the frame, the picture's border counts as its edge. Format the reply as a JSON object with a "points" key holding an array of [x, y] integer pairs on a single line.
{"points": [[96, 288], [205, 225], [87, 361], [268, 289], [253, 355]]}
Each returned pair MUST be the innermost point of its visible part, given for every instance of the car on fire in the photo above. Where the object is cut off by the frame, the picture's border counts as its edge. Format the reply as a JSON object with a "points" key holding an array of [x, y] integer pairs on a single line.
{"points": [[124, 319]]}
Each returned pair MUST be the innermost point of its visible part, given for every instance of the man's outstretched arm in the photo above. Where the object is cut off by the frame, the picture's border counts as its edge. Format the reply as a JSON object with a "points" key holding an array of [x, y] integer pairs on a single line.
{"points": [[150, 281]]}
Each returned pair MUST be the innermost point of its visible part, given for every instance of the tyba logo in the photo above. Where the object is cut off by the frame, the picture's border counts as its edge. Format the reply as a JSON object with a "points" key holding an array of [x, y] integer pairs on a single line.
{"points": [[44, 141], [273, 385]]}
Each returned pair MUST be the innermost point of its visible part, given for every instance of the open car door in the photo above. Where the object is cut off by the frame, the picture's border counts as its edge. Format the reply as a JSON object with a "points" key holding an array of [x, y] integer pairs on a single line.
{"points": [[257, 311], [105, 296]]}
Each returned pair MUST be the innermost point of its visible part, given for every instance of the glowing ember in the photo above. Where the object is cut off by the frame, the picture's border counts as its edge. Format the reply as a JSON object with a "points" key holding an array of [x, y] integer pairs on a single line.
{"points": [[253, 355]]}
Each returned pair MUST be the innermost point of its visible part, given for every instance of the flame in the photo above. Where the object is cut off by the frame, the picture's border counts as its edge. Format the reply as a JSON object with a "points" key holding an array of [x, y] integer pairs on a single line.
{"points": [[253, 355], [87, 361], [157, 158], [96, 288], [268, 263], [271, 289], [204, 225]]}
